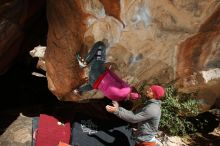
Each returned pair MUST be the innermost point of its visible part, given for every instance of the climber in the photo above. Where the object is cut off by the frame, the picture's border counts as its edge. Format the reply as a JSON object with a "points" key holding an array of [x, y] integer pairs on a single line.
{"points": [[104, 79], [147, 117]]}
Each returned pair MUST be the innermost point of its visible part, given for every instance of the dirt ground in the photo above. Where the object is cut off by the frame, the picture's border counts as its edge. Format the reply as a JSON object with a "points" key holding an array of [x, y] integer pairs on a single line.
{"points": [[16, 125]]}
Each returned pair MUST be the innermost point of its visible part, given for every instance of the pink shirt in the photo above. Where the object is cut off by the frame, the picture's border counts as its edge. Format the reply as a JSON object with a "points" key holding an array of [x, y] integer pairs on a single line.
{"points": [[112, 86]]}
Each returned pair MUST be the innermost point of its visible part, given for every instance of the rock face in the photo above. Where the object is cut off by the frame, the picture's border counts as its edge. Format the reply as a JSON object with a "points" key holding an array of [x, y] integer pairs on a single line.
{"points": [[199, 61], [164, 40], [65, 37]]}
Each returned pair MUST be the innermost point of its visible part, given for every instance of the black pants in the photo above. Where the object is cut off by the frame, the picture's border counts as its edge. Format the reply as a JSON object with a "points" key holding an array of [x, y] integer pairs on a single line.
{"points": [[96, 58]]}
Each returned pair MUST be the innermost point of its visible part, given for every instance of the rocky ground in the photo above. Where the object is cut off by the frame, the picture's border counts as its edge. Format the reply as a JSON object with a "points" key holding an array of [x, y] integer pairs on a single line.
{"points": [[16, 128]]}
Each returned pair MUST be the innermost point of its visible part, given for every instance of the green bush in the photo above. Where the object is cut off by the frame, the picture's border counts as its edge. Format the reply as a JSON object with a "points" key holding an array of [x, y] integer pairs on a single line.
{"points": [[176, 107]]}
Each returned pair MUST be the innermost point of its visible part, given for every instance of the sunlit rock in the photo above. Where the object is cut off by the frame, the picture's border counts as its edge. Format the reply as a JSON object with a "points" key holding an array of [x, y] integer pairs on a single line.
{"points": [[159, 40], [146, 39], [198, 61]]}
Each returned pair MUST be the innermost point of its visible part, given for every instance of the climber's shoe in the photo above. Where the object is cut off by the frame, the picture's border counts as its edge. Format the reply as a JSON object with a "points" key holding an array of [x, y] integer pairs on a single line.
{"points": [[81, 61], [77, 92]]}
